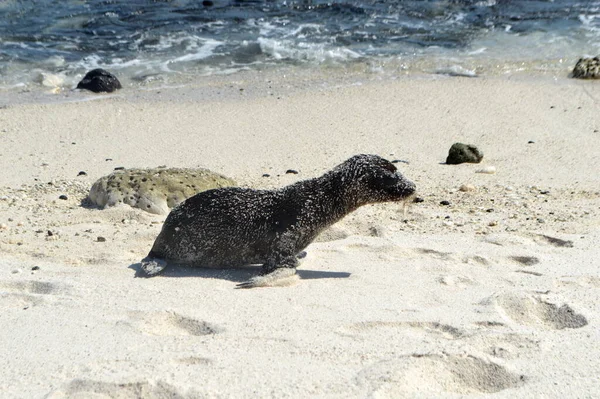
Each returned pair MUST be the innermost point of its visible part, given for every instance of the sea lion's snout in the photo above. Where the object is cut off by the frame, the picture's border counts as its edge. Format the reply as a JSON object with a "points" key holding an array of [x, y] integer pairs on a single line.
{"points": [[404, 188]]}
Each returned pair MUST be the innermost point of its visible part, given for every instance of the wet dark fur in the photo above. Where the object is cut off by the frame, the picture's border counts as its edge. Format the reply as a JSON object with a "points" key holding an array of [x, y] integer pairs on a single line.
{"points": [[229, 227]]}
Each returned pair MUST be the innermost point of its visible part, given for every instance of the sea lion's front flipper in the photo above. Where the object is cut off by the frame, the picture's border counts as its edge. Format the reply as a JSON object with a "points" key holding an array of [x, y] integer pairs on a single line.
{"points": [[279, 277], [153, 266]]}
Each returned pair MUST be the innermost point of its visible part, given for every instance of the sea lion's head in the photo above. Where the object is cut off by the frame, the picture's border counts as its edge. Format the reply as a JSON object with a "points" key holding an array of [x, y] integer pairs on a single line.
{"points": [[372, 179]]}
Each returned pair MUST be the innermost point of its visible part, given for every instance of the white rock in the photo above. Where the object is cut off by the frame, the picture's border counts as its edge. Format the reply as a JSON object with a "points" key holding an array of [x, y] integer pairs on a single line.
{"points": [[489, 170], [50, 80], [467, 188]]}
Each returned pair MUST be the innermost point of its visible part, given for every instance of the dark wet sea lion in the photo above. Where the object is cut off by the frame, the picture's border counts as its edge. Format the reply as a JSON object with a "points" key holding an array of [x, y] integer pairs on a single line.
{"points": [[230, 227]]}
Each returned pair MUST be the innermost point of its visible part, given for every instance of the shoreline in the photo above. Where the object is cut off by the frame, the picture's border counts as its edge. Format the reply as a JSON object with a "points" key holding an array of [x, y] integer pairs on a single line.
{"points": [[287, 79]]}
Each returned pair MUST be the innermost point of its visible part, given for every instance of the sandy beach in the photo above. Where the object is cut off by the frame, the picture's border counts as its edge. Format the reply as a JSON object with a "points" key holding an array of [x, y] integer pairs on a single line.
{"points": [[496, 294]]}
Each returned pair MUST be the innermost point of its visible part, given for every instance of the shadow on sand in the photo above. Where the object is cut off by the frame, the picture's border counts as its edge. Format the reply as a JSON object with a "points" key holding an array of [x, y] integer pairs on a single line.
{"points": [[236, 275]]}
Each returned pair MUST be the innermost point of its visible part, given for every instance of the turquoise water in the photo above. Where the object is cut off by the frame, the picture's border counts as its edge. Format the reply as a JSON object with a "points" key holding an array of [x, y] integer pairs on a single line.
{"points": [[53, 43]]}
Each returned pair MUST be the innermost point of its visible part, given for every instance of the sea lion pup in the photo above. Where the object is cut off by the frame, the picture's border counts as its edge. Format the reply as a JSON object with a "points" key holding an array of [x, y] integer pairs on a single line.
{"points": [[231, 227]]}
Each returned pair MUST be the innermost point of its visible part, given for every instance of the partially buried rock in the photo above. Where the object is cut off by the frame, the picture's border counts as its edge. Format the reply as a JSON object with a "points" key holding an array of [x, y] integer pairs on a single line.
{"points": [[587, 68], [461, 153], [154, 190], [99, 81]]}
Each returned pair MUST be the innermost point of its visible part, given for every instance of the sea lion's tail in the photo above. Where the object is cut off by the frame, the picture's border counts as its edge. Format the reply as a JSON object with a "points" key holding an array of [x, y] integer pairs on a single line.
{"points": [[152, 266]]}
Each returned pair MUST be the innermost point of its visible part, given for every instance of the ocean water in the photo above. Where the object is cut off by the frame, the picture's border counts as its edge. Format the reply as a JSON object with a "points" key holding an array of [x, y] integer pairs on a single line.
{"points": [[52, 43]]}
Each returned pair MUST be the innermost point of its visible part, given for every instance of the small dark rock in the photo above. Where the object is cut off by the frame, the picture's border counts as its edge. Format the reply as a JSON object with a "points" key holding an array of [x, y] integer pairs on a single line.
{"points": [[461, 153], [444, 202], [99, 81], [120, 168], [50, 234], [545, 192], [291, 171], [400, 161], [108, 159], [101, 239], [63, 197], [266, 175], [531, 142], [82, 173], [35, 268], [418, 200], [490, 210]]}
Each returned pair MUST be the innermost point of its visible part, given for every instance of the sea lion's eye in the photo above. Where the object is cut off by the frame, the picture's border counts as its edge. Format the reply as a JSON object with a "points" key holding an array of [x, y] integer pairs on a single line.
{"points": [[389, 167]]}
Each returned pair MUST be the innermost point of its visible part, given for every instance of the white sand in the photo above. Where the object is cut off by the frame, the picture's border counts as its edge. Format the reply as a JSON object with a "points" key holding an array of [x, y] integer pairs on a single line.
{"points": [[476, 298]]}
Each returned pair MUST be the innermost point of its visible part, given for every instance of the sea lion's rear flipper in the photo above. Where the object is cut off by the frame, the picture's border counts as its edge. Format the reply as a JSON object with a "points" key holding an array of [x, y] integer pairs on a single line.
{"points": [[152, 266]]}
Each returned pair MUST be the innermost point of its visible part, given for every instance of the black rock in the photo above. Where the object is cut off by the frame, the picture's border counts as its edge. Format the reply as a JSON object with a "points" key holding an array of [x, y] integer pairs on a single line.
{"points": [[400, 161], [444, 202], [120, 168], [418, 199], [63, 197], [35, 268], [292, 171], [101, 239], [82, 173], [587, 68], [266, 175], [99, 81], [461, 153]]}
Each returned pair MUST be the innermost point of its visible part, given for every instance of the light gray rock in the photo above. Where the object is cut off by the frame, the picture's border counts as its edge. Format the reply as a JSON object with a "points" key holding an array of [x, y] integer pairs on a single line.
{"points": [[154, 190]]}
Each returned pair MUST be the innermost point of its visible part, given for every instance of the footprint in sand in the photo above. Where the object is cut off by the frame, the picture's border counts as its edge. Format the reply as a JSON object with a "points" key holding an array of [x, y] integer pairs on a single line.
{"points": [[442, 330], [437, 373], [459, 281], [577, 282], [533, 311], [525, 260], [434, 253], [496, 339], [557, 242], [193, 361], [34, 287], [26, 293], [86, 389], [171, 323], [453, 256], [526, 240]]}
